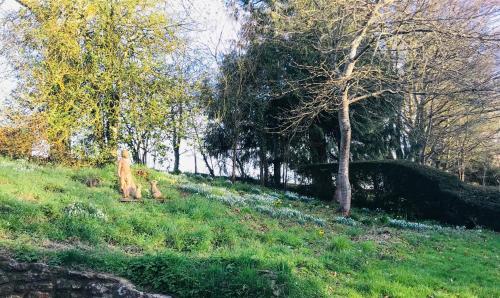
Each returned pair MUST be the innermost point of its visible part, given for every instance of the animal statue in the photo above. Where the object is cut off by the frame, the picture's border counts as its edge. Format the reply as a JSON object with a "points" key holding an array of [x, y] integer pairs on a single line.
{"points": [[93, 182], [125, 175], [155, 192], [136, 193]]}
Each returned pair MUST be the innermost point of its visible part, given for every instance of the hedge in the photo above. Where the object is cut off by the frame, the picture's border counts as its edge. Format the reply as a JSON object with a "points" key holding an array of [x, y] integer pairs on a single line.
{"points": [[418, 191]]}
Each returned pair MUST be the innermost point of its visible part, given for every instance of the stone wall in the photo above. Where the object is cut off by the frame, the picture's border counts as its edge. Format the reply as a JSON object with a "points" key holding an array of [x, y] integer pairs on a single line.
{"points": [[40, 280]]}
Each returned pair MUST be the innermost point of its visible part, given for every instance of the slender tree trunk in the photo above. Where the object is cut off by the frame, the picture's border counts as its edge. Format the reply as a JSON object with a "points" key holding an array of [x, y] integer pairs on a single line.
{"points": [[233, 174], [195, 161], [262, 163], [265, 164], [176, 139], [343, 190], [277, 164], [261, 172], [266, 171], [111, 129], [242, 168], [144, 159], [176, 145], [134, 147], [285, 170], [176, 157], [209, 167], [202, 152]]}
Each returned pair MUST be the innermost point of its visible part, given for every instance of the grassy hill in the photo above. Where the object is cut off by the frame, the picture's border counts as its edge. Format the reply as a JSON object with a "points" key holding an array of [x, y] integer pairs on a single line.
{"points": [[214, 239]]}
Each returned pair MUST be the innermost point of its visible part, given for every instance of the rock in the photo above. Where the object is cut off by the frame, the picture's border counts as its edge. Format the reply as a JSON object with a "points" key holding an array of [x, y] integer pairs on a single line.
{"points": [[37, 280]]}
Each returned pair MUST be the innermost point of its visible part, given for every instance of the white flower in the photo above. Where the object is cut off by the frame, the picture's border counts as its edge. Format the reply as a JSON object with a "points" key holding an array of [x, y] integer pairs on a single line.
{"points": [[400, 223], [346, 221]]}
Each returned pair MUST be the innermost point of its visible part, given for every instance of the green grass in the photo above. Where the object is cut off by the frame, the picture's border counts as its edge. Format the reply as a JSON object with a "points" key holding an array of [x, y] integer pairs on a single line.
{"points": [[193, 245]]}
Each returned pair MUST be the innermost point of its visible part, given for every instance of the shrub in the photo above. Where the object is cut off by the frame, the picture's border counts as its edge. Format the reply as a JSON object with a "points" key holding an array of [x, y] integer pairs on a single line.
{"points": [[418, 191], [17, 142]]}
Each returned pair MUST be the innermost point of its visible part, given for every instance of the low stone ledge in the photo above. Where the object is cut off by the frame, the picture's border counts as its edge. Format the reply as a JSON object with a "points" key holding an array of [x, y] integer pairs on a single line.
{"points": [[37, 280]]}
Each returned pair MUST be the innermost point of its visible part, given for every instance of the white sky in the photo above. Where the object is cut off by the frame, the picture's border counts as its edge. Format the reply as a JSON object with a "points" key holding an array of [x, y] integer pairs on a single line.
{"points": [[215, 30]]}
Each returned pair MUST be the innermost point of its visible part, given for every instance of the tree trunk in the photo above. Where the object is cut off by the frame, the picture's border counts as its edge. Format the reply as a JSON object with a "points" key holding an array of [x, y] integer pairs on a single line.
{"points": [[176, 158], [263, 164], [285, 174], [195, 161], [202, 152], [176, 145], [233, 174], [343, 190], [242, 168], [261, 172], [277, 164], [209, 167]]}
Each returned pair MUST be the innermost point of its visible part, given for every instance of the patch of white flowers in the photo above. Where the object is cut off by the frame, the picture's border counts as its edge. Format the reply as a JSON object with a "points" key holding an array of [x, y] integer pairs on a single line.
{"points": [[401, 223], [345, 221], [274, 194], [290, 214], [20, 165], [260, 198], [262, 202], [201, 189], [296, 197], [231, 199], [79, 209]]}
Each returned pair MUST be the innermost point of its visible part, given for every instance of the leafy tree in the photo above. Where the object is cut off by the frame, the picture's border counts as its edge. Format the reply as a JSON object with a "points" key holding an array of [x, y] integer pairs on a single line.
{"points": [[361, 54], [88, 65]]}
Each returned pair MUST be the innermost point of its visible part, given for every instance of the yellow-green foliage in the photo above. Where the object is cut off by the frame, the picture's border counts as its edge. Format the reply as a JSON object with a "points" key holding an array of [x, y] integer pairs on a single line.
{"points": [[85, 64]]}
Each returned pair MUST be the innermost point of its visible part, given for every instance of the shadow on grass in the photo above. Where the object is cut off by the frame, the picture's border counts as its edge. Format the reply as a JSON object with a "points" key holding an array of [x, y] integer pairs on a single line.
{"points": [[182, 275]]}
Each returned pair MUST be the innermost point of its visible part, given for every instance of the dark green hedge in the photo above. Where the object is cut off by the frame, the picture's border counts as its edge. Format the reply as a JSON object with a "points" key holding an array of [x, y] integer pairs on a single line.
{"points": [[421, 192]]}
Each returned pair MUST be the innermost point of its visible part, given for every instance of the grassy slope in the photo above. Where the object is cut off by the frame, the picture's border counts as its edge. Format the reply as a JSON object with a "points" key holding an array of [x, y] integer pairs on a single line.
{"points": [[193, 246]]}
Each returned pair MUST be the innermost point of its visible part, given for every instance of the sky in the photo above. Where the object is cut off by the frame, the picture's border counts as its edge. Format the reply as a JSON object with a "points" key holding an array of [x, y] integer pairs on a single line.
{"points": [[215, 29]]}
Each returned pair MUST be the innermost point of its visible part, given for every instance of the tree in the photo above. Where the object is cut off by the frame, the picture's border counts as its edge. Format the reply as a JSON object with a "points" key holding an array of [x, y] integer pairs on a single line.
{"points": [[85, 64], [354, 39]]}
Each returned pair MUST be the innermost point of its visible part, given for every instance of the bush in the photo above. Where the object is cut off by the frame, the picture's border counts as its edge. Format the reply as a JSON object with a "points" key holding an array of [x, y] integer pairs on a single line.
{"points": [[423, 192], [17, 142]]}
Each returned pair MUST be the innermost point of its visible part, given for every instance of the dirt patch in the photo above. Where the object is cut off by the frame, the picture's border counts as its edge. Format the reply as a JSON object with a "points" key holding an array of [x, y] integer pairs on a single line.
{"points": [[379, 236]]}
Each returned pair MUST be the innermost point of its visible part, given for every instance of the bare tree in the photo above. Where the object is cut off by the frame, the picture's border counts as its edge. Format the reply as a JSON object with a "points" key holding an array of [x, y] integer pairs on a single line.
{"points": [[364, 54]]}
